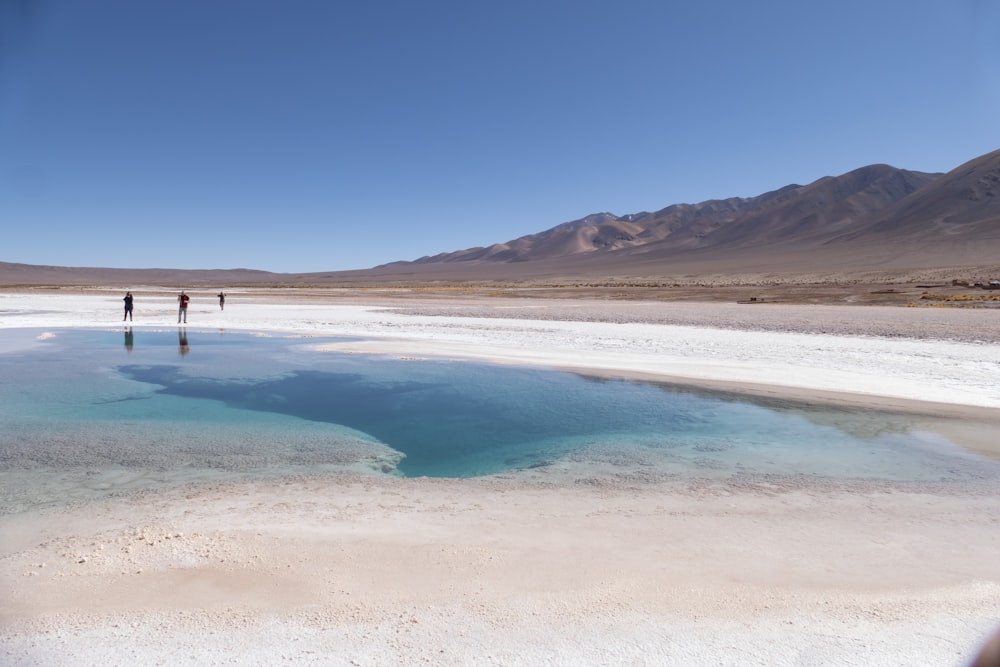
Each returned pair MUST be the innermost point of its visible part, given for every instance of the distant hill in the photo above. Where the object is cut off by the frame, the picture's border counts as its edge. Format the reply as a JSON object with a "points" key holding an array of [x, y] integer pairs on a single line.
{"points": [[873, 218], [33, 274]]}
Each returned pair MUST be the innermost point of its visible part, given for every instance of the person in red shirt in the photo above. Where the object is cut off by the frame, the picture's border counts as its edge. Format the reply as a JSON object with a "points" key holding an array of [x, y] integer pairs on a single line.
{"points": [[182, 312]]}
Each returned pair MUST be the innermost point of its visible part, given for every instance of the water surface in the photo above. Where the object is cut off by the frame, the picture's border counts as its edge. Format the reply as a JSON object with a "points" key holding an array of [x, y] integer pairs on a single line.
{"points": [[103, 412]]}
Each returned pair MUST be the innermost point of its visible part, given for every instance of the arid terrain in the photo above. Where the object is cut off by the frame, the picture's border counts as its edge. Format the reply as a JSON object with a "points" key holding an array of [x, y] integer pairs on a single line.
{"points": [[563, 564]]}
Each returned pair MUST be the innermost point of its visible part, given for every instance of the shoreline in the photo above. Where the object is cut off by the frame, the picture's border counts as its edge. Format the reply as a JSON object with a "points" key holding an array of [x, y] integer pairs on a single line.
{"points": [[970, 426], [844, 349]]}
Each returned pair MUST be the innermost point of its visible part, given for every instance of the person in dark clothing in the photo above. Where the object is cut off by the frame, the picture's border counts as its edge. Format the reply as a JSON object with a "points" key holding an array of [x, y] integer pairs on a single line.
{"points": [[222, 300], [128, 306]]}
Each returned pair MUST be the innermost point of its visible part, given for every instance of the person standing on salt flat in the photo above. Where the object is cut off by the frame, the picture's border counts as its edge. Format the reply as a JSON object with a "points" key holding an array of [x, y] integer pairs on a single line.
{"points": [[182, 311], [128, 306]]}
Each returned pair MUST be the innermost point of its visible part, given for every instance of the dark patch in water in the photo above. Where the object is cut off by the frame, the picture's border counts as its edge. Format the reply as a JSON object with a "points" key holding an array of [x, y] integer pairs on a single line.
{"points": [[435, 423]]}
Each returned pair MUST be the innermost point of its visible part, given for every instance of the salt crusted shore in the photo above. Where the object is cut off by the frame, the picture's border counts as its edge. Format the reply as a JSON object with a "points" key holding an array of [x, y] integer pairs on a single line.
{"points": [[527, 568]]}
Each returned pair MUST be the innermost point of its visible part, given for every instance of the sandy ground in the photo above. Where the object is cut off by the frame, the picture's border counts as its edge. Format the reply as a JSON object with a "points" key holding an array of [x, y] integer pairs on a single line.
{"points": [[525, 568]]}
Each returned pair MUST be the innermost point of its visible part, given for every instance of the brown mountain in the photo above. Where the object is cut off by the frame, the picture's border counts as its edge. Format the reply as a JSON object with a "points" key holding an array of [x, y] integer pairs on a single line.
{"points": [[795, 216], [873, 218], [963, 205], [799, 215], [876, 218]]}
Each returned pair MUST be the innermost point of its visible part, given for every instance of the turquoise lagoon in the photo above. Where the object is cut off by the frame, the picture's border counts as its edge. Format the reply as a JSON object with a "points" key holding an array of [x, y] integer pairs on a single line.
{"points": [[90, 413]]}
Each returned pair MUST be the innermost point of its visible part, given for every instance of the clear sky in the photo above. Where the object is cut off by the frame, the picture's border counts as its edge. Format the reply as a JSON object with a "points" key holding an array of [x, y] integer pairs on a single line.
{"points": [[316, 135]]}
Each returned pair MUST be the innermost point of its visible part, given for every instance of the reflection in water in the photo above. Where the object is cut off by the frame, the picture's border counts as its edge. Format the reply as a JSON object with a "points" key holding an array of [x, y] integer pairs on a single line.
{"points": [[129, 340], [182, 341]]}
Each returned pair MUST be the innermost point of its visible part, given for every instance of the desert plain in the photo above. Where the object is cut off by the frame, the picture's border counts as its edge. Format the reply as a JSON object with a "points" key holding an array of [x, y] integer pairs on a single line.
{"points": [[560, 565]]}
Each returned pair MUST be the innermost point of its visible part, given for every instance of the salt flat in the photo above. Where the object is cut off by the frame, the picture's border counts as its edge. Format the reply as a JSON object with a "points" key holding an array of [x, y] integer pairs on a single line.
{"points": [[522, 568]]}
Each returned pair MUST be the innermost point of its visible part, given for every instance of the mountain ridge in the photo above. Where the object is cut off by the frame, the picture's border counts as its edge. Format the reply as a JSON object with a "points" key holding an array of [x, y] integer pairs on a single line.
{"points": [[874, 218], [793, 212]]}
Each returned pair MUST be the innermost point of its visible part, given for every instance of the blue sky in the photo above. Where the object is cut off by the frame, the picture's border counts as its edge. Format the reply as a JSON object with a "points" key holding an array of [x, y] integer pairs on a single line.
{"points": [[316, 135]]}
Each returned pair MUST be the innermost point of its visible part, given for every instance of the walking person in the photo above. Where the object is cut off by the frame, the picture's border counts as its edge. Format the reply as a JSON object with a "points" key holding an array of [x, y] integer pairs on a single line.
{"points": [[128, 306], [222, 300], [182, 311]]}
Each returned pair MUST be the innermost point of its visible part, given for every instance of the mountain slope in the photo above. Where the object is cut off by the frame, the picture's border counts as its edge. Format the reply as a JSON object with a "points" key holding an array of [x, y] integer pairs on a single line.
{"points": [[965, 202], [795, 214]]}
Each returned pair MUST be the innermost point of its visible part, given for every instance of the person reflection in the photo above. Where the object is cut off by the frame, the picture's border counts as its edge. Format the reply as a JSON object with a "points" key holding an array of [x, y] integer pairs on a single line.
{"points": [[182, 341], [129, 341]]}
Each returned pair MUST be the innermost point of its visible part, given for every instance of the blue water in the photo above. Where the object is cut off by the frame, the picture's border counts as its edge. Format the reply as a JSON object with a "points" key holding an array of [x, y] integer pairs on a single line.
{"points": [[138, 408]]}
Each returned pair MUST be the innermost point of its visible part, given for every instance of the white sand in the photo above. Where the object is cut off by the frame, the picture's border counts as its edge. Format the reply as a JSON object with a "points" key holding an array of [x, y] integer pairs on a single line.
{"points": [[523, 569]]}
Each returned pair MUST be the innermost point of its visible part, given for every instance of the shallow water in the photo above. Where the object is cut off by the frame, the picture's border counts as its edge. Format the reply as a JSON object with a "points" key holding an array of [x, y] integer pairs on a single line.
{"points": [[90, 413]]}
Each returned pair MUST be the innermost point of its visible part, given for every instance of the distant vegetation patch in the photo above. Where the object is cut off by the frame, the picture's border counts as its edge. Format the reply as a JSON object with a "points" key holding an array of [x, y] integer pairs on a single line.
{"points": [[932, 300], [960, 297]]}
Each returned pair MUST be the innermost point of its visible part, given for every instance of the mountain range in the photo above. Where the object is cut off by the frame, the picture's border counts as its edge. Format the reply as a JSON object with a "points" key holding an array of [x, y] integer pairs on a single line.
{"points": [[874, 217], [877, 217]]}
